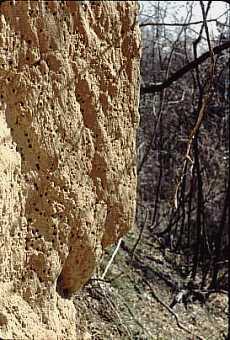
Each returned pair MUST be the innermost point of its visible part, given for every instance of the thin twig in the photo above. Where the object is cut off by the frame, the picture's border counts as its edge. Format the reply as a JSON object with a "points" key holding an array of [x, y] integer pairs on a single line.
{"points": [[172, 312], [116, 311], [140, 235], [134, 318], [111, 259]]}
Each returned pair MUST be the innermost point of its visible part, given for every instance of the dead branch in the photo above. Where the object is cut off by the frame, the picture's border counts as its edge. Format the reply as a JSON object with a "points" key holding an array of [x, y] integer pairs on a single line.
{"points": [[152, 88], [175, 23], [172, 312], [111, 259], [134, 318], [140, 235]]}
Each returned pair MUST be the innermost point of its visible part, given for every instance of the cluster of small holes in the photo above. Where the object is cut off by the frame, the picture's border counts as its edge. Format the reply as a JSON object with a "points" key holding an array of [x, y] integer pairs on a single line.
{"points": [[37, 164]]}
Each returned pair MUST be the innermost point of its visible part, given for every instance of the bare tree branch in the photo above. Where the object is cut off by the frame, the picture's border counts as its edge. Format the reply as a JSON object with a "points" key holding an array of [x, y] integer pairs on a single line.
{"points": [[140, 235], [144, 24], [152, 88]]}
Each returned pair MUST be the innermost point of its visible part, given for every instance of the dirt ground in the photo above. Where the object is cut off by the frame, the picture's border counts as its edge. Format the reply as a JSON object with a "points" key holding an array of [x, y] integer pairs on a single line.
{"points": [[132, 302]]}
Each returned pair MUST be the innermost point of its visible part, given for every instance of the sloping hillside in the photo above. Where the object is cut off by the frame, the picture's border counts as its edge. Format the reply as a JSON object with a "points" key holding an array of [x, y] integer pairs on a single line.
{"points": [[133, 299]]}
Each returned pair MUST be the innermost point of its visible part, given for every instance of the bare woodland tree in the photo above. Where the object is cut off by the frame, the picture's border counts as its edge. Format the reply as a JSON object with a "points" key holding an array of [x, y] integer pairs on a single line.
{"points": [[183, 139]]}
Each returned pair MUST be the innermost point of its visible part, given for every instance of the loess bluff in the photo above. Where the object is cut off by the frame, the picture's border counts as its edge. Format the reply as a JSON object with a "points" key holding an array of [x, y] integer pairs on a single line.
{"points": [[69, 87]]}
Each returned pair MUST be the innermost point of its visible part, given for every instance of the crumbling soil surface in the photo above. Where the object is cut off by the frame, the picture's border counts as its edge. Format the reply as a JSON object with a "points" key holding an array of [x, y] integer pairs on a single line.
{"points": [[132, 301]]}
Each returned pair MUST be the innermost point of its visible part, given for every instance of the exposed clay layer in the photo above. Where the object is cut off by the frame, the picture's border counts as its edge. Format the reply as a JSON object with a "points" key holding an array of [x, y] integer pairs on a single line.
{"points": [[68, 117]]}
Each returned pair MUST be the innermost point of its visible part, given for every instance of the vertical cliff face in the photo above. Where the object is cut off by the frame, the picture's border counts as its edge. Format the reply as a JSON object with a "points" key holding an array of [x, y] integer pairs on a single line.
{"points": [[68, 117]]}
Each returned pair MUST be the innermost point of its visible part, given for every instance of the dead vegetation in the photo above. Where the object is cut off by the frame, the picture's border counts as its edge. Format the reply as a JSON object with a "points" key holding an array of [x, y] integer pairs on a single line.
{"points": [[132, 302], [168, 279]]}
